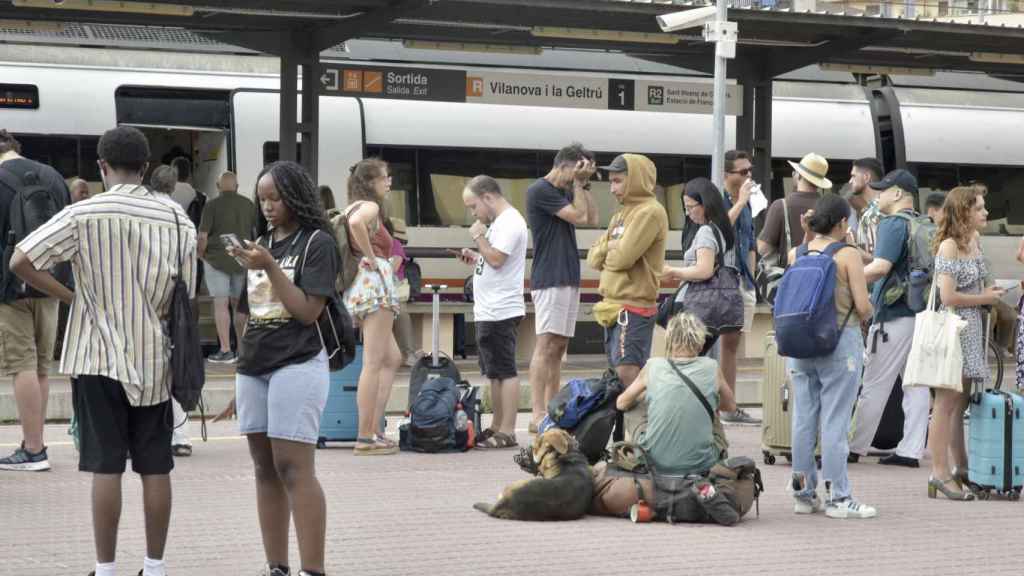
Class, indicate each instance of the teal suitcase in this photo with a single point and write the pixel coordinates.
(996, 442)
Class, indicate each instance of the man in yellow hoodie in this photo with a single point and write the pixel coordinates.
(630, 256)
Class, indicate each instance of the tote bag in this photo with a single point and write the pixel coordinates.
(936, 358)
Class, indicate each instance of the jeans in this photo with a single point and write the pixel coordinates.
(825, 390)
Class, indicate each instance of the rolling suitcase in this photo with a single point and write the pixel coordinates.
(996, 444)
(777, 403)
(340, 419)
(436, 364)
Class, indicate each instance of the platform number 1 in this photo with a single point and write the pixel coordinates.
(621, 94)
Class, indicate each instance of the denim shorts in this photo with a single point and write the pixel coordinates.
(629, 340)
(285, 404)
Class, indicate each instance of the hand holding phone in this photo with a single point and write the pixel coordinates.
(232, 241)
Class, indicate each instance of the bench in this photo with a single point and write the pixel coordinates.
(421, 312)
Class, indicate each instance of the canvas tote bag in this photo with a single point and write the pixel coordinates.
(936, 359)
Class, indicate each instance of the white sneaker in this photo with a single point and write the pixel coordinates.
(849, 508)
(806, 505)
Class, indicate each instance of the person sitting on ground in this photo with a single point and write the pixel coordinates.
(663, 416)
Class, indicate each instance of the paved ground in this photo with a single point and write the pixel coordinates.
(411, 514)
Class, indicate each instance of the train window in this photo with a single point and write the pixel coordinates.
(427, 183)
(1003, 183)
(272, 152)
(69, 155)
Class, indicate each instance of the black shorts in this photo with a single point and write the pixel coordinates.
(110, 428)
(496, 347)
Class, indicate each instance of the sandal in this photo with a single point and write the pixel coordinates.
(497, 441)
(485, 436)
(382, 439)
(372, 447)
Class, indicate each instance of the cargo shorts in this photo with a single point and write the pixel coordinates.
(28, 334)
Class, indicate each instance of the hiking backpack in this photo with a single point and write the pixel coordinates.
(578, 398)
(805, 305)
(595, 428)
(31, 206)
(338, 220)
(432, 427)
(920, 264)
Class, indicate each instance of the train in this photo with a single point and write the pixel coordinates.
(222, 111)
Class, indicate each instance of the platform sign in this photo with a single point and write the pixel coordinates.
(685, 97)
(442, 85)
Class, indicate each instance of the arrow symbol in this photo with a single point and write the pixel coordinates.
(329, 80)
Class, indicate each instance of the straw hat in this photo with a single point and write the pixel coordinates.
(813, 168)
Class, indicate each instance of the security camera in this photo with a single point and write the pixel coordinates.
(687, 19)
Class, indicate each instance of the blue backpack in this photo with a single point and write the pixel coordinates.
(575, 400)
(805, 305)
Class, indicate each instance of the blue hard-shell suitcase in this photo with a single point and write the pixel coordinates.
(996, 441)
(340, 420)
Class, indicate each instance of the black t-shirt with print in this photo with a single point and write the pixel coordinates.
(273, 339)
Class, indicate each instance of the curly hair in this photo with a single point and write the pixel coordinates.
(686, 334)
(957, 221)
(299, 194)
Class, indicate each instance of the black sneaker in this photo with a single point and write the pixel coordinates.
(852, 458)
(24, 461)
(275, 571)
(896, 460)
(222, 357)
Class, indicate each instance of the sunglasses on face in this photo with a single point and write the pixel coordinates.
(744, 172)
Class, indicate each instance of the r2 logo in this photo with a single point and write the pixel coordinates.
(655, 96)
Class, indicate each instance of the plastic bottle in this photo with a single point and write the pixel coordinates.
(461, 419)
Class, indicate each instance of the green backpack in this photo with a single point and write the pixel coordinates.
(920, 264)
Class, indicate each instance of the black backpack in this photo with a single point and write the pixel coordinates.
(31, 206)
(188, 374)
(595, 429)
(414, 276)
(195, 208)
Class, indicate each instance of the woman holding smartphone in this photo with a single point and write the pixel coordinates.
(282, 381)
(372, 299)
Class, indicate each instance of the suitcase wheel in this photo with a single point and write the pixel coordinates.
(321, 443)
(1014, 495)
(983, 495)
(769, 458)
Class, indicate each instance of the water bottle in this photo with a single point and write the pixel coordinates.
(917, 292)
(461, 419)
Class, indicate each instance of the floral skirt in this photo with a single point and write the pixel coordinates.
(373, 290)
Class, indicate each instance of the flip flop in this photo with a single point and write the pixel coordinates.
(484, 436)
(498, 441)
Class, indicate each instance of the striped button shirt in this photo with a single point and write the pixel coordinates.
(123, 248)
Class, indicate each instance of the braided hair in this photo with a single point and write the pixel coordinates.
(686, 334)
(299, 194)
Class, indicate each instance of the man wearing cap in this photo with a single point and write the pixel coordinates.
(630, 256)
(892, 330)
(808, 176)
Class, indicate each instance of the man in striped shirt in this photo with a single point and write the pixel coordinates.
(124, 246)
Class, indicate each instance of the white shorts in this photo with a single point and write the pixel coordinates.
(556, 310)
(221, 284)
(749, 308)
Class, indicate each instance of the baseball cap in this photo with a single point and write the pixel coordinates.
(617, 165)
(905, 180)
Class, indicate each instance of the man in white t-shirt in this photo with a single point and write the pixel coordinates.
(498, 306)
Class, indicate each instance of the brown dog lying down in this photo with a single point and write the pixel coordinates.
(562, 491)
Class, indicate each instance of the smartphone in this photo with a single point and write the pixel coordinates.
(231, 240)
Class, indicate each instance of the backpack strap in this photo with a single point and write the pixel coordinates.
(693, 388)
(784, 261)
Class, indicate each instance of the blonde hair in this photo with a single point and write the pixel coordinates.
(686, 334)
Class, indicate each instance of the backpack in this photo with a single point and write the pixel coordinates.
(920, 264)
(195, 208)
(338, 221)
(31, 206)
(578, 398)
(431, 427)
(595, 429)
(805, 305)
(335, 327)
(414, 275)
(188, 371)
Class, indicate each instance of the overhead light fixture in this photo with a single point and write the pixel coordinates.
(879, 70)
(33, 25)
(470, 47)
(996, 58)
(109, 6)
(604, 35)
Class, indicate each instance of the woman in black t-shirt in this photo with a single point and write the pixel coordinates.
(282, 381)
